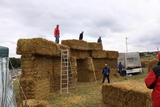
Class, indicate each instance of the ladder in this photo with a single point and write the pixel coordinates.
(64, 78)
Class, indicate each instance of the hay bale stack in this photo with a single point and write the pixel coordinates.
(85, 70)
(112, 54)
(40, 70)
(35, 103)
(29, 89)
(126, 94)
(82, 45)
(99, 65)
(76, 44)
(39, 46)
(80, 54)
(152, 64)
(145, 63)
(95, 46)
(99, 54)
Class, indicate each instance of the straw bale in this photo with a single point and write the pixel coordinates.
(99, 65)
(80, 54)
(28, 85)
(99, 54)
(76, 44)
(85, 70)
(38, 46)
(112, 54)
(145, 63)
(35, 103)
(126, 94)
(152, 64)
(95, 46)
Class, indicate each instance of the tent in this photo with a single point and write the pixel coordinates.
(7, 98)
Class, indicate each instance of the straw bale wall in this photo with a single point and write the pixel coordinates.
(99, 65)
(82, 45)
(152, 64)
(39, 46)
(95, 46)
(85, 70)
(80, 54)
(126, 94)
(145, 63)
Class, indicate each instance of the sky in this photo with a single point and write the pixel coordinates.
(113, 20)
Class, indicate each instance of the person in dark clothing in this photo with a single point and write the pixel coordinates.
(105, 73)
(81, 36)
(99, 40)
(120, 67)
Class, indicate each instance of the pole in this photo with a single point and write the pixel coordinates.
(126, 45)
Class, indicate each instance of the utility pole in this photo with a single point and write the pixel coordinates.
(126, 44)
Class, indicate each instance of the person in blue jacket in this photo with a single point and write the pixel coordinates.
(105, 73)
(120, 67)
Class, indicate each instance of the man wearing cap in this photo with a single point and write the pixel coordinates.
(153, 82)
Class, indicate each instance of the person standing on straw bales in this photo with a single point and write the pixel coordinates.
(57, 34)
(153, 82)
(81, 36)
(105, 73)
(99, 40)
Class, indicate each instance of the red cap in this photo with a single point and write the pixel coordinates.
(158, 55)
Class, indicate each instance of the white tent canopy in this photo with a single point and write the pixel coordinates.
(7, 98)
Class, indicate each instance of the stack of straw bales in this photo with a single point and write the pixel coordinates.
(38, 46)
(126, 94)
(41, 65)
(145, 63)
(81, 49)
(35, 103)
(152, 64)
(86, 70)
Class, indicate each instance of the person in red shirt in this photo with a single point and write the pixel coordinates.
(152, 81)
(57, 34)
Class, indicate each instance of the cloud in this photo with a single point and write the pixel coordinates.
(113, 20)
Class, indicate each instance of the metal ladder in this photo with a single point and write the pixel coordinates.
(64, 78)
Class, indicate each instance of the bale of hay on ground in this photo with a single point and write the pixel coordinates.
(80, 54)
(126, 94)
(99, 54)
(38, 46)
(112, 54)
(152, 64)
(85, 70)
(95, 46)
(76, 44)
(35, 103)
(145, 63)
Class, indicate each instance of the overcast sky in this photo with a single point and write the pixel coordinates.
(139, 20)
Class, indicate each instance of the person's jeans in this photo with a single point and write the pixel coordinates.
(104, 77)
(57, 38)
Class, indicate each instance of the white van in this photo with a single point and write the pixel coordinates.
(131, 62)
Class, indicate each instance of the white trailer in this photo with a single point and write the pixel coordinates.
(131, 62)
